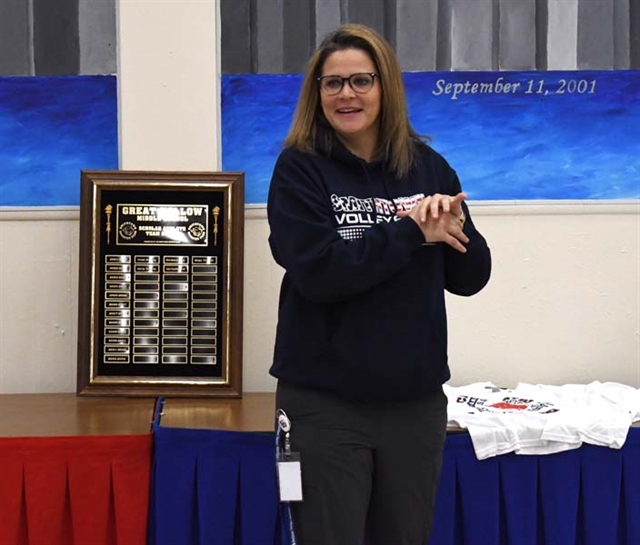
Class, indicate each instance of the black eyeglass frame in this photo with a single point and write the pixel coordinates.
(347, 79)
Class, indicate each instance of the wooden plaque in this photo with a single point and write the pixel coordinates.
(161, 284)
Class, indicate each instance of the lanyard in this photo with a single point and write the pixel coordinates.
(283, 427)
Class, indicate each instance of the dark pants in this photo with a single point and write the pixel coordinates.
(369, 469)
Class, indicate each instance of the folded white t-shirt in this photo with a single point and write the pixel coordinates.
(542, 419)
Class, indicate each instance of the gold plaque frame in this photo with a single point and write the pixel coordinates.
(160, 284)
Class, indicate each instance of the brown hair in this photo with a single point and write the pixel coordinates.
(397, 141)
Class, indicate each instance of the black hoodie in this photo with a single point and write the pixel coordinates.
(362, 308)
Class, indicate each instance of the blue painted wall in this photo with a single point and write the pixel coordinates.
(510, 135)
(50, 129)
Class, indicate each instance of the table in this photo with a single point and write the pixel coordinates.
(213, 482)
(215, 486)
(74, 470)
(82, 470)
(587, 496)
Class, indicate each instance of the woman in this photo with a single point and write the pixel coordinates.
(371, 227)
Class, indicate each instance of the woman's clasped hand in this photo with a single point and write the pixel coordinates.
(441, 219)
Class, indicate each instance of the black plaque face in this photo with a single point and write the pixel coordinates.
(160, 287)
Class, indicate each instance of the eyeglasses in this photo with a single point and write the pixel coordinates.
(361, 83)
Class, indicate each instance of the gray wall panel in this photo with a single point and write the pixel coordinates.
(562, 39)
(517, 35)
(63, 37)
(327, 14)
(367, 12)
(417, 34)
(595, 34)
(390, 22)
(15, 38)
(55, 32)
(634, 34)
(620, 34)
(235, 36)
(97, 35)
(445, 17)
(472, 49)
(542, 31)
(298, 35)
(268, 32)
(495, 35)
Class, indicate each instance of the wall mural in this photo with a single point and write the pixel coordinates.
(555, 135)
(50, 129)
(510, 135)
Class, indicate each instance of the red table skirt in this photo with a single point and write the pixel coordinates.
(75, 490)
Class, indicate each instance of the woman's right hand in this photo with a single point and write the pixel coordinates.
(439, 218)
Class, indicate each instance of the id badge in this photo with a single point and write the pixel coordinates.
(288, 462)
(290, 477)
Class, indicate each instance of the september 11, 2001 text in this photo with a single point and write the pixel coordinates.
(502, 85)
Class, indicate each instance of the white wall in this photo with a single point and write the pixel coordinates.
(563, 304)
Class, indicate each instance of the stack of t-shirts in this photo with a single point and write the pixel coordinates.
(543, 419)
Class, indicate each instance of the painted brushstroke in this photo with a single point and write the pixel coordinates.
(51, 128)
(548, 136)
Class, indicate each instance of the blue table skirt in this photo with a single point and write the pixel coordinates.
(219, 488)
(588, 496)
(214, 487)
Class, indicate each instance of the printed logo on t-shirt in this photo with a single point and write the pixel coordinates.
(507, 404)
(354, 215)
